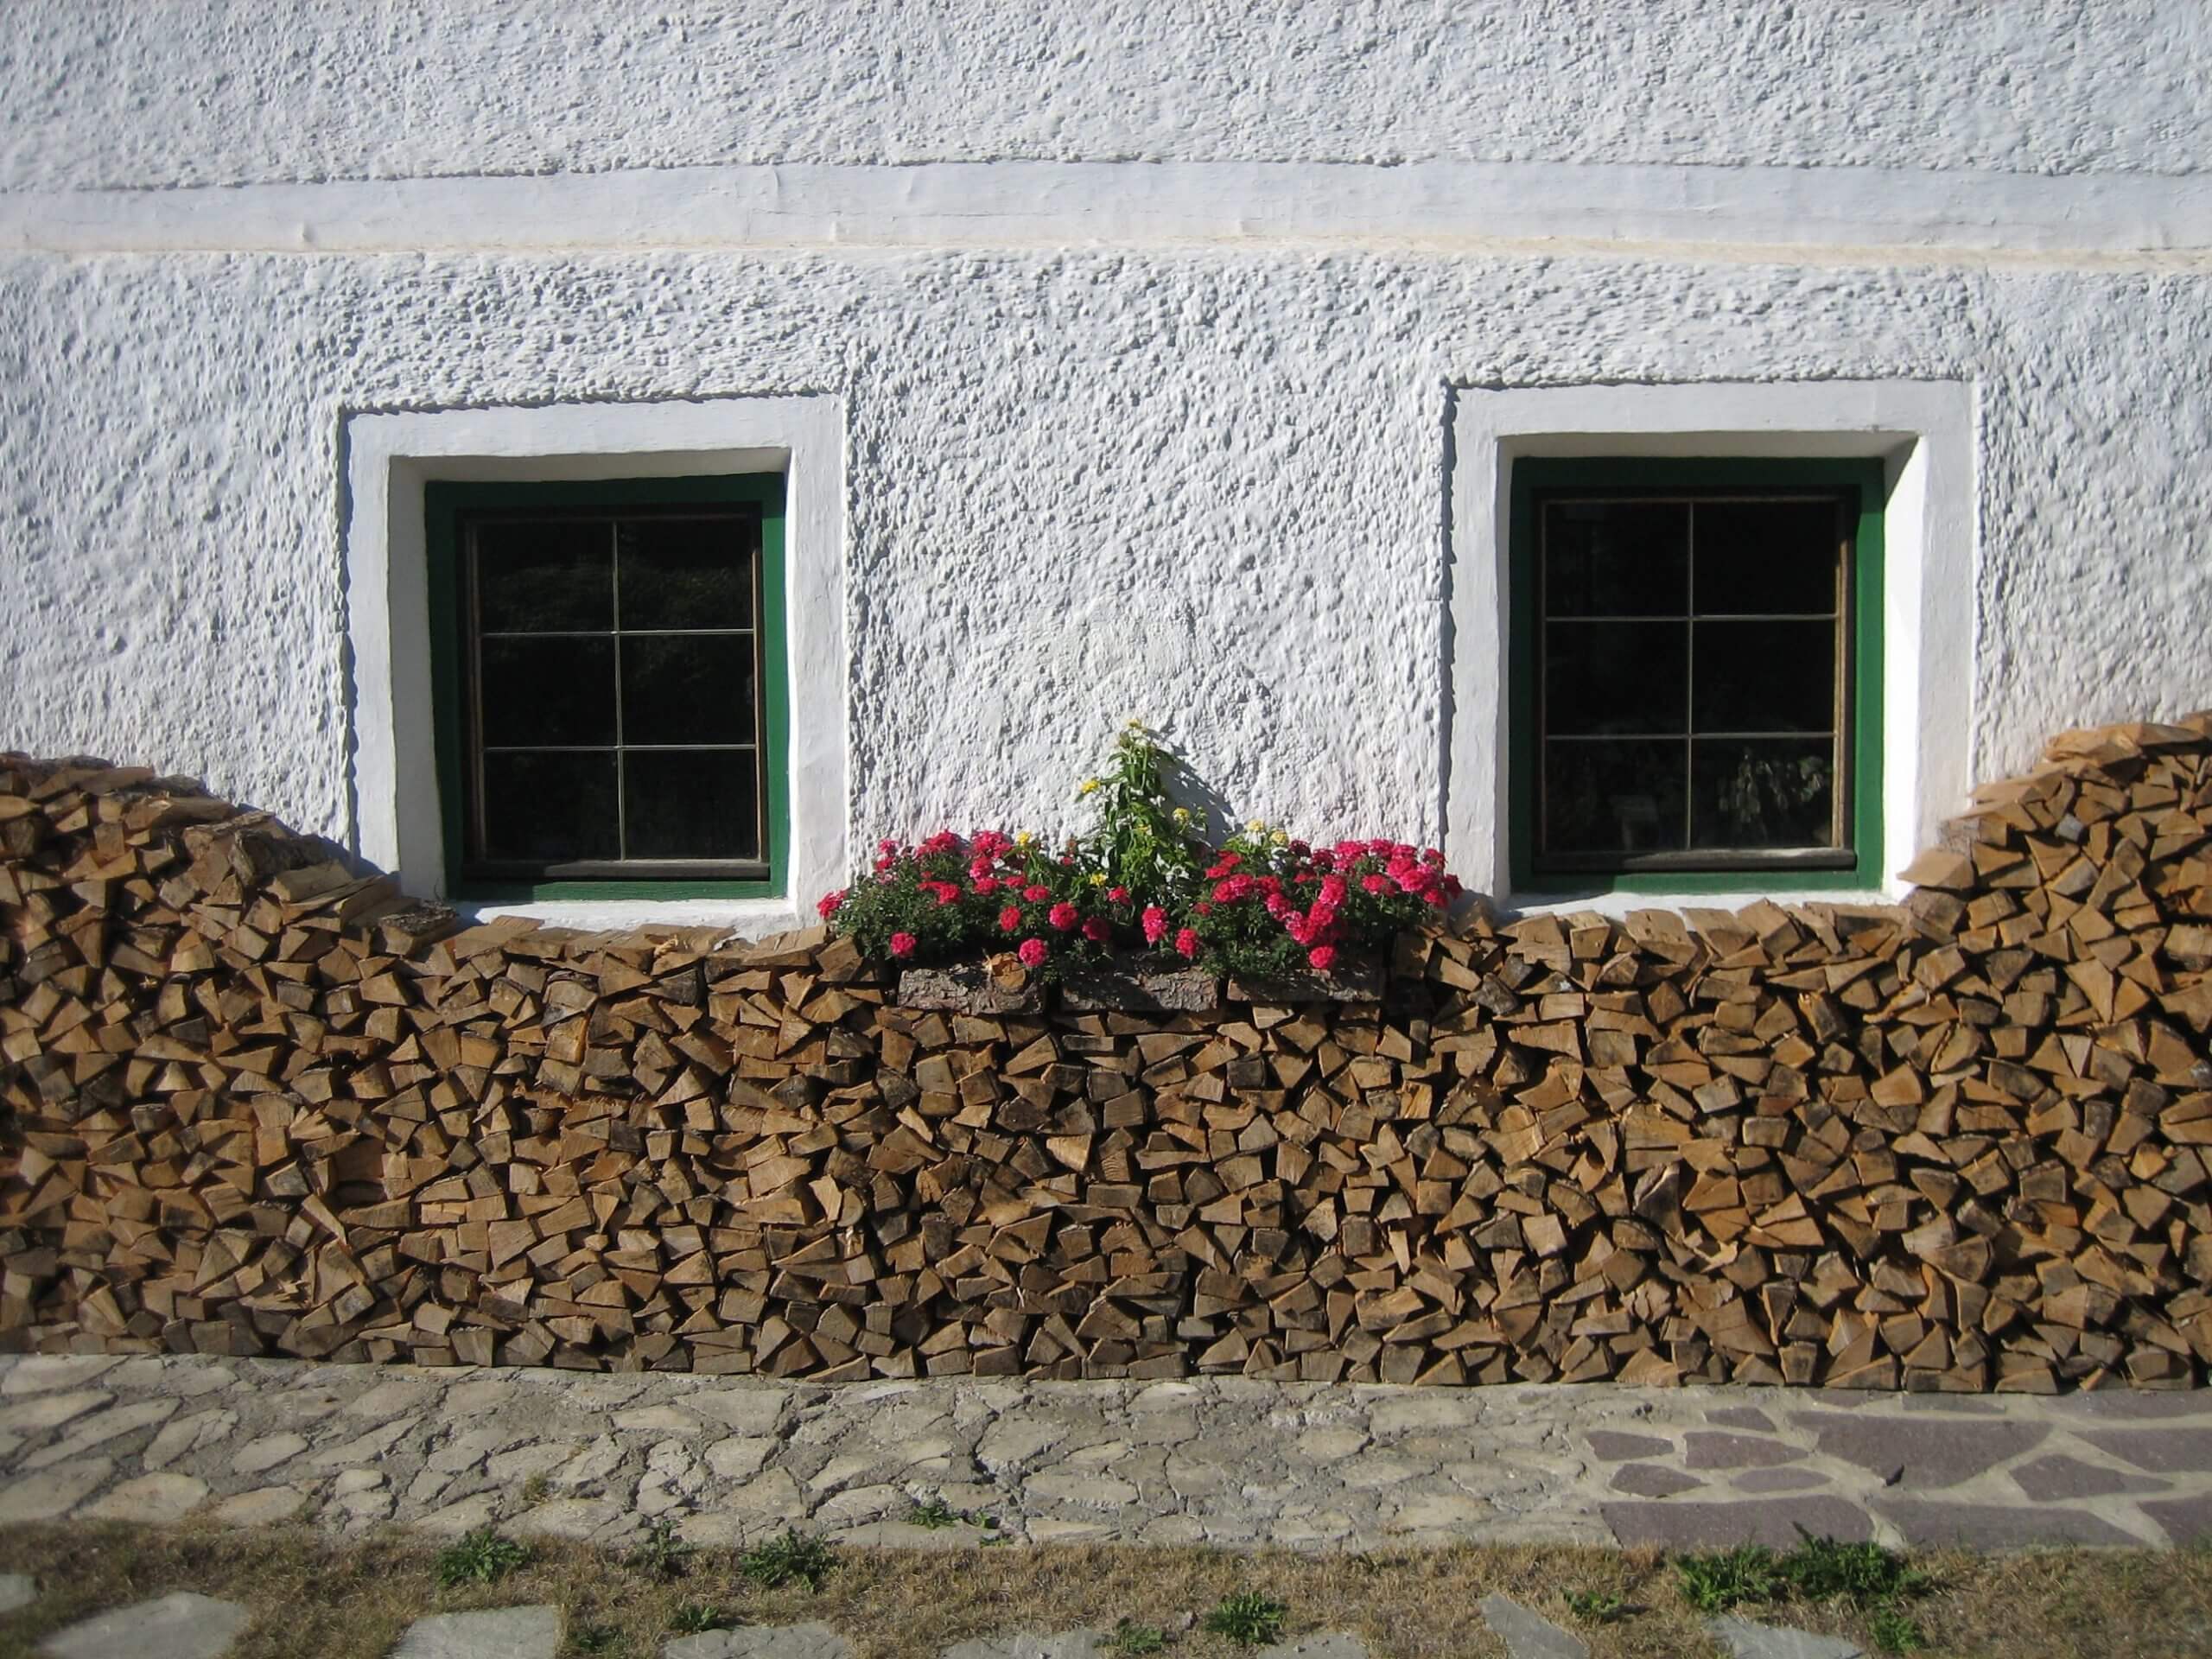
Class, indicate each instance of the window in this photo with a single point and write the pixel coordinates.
(1696, 673)
(608, 676)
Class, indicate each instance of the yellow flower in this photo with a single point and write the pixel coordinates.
(1098, 878)
(1281, 838)
(1135, 722)
(1087, 786)
(1182, 815)
(1258, 826)
(1025, 840)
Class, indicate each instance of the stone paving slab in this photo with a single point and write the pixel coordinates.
(762, 1642)
(182, 1626)
(1745, 1639)
(495, 1633)
(1222, 1461)
(16, 1590)
(1528, 1634)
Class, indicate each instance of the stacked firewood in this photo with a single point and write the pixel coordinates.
(258, 1103)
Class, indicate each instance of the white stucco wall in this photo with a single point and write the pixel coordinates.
(1146, 390)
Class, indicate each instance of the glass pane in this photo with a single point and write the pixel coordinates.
(548, 692)
(537, 575)
(1616, 677)
(1768, 556)
(1765, 676)
(549, 808)
(687, 687)
(1614, 796)
(1763, 792)
(1616, 559)
(696, 805)
(687, 573)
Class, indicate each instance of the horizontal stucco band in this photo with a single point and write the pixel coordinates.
(1910, 214)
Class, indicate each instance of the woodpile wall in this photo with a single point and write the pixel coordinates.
(257, 1104)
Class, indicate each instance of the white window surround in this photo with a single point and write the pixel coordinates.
(389, 459)
(1923, 431)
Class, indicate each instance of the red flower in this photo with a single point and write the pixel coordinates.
(1117, 895)
(1010, 919)
(1323, 957)
(986, 885)
(902, 944)
(1096, 930)
(1036, 895)
(1033, 952)
(1188, 942)
(1202, 908)
(1374, 884)
(1063, 916)
(829, 902)
(1155, 924)
(947, 893)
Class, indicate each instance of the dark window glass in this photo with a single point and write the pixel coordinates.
(1613, 795)
(1617, 559)
(548, 807)
(548, 692)
(614, 691)
(691, 804)
(1605, 678)
(543, 575)
(1693, 678)
(688, 687)
(684, 573)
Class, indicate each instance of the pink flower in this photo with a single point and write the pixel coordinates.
(828, 907)
(944, 842)
(1374, 884)
(1033, 952)
(980, 868)
(1117, 895)
(1063, 916)
(986, 885)
(1323, 957)
(1155, 924)
(902, 944)
(1188, 942)
(1096, 930)
(1010, 919)
(947, 893)
(1202, 908)
(1036, 895)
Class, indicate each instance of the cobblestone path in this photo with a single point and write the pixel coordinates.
(1222, 1461)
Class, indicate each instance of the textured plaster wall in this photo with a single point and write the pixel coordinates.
(170, 92)
(1207, 488)
(1207, 485)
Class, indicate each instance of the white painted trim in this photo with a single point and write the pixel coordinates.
(1910, 214)
(1923, 430)
(389, 457)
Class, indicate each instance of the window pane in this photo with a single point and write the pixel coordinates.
(1768, 556)
(537, 575)
(548, 692)
(1614, 797)
(1766, 792)
(549, 808)
(1765, 676)
(1616, 677)
(1616, 559)
(697, 804)
(687, 573)
(687, 687)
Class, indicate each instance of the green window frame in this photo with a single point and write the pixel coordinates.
(1857, 864)
(447, 505)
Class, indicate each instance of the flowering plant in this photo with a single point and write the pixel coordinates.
(1259, 904)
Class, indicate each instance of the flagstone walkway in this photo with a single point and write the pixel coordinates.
(1221, 1461)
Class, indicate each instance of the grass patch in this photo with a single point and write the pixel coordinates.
(1131, 1637)
(660, 1553)
(791, 1557)
(694, 1617)
(1247, 1618)
(1866, 1579)
(309, 1592)
(484, 1556)
(1597, 1606)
